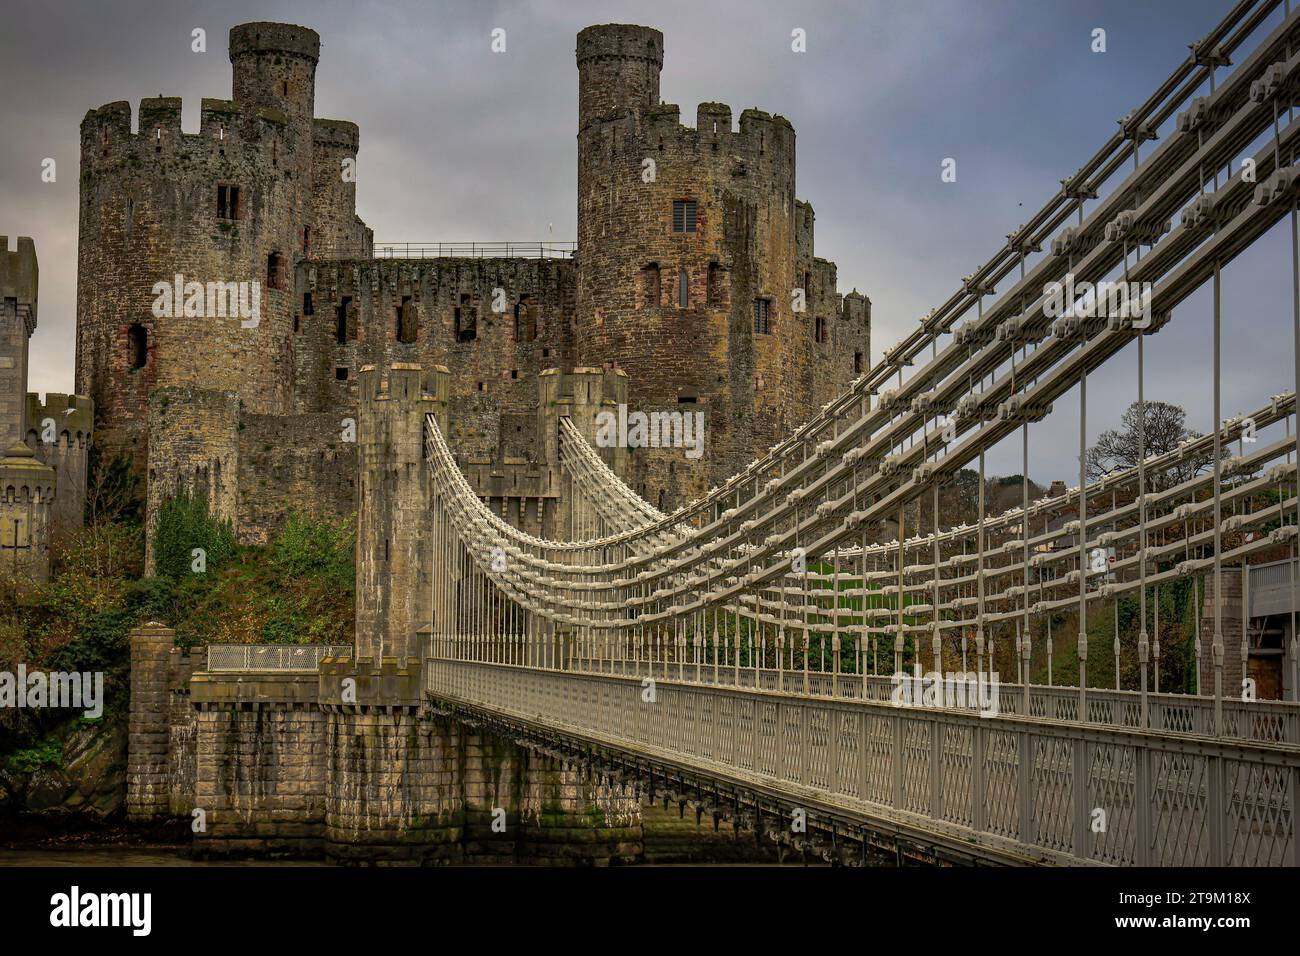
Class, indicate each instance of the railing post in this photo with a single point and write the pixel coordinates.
(936, 768)
(1143, 799)
(1079, 788)
(898, 761)
(1217, 803)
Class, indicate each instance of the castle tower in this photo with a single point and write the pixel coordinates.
(229, 210)
(26, 505)
(19, 276)
(618, 71)
(684, 235)
(59, 432)
(394, 521)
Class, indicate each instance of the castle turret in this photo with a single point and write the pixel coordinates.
(26, 505)
(618, 70)
(275, 68)
(18, 295)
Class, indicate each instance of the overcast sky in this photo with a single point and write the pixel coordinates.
(459, 143)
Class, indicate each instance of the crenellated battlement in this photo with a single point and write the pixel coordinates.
(340, 134)
(73, 415)
(265, 36)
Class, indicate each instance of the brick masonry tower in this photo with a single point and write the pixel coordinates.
(239, 202)
(690, 246)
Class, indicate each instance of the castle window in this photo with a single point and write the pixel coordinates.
(137, 346)
(650, 285)
(688, 396)
(526, 319)
(714, 290)
(857, 363)
(683, 290)
(130, 216)
(275, 271)
(762, 316)
(514, 374)
(341, 374)
(284, 87)
(408, 323)
(345, 329)
(819, 330)
(297, 324)
(227, 202)
(307, 307)
(466, 319)
(306, 240)
(683, 215)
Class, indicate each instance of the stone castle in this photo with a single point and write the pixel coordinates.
(693, 283)
(45, 444)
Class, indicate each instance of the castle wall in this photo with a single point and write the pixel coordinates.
(305, 463)
(279, 764)
(194, 441)
(493, 371)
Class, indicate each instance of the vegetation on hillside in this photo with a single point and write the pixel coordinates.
(298, 588)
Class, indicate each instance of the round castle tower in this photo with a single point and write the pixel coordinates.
(230, 208)
(680, 231)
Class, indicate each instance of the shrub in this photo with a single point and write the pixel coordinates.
(184, 524)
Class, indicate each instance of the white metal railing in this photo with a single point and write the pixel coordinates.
(272, 657)
(475, 250)
(1027, 786)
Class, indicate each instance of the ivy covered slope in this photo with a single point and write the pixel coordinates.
(298, 588)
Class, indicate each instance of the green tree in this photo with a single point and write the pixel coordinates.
(184, 523)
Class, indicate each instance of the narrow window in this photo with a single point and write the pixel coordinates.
(223, 202)
(297, 323)
(341, 373)
(466, 319)
(514, 374)
(683, 290)
(714, 289)
(683, 215)
(650, 286)
(137, 346)
(306, 240)
(526, 319)
(762, 312)
(408, 323)
(857, 363)
(274, 270)
(307, 307)
(342, 326)
(130, 216)
(819, 330)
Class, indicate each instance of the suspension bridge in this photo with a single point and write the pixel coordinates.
(744, 655)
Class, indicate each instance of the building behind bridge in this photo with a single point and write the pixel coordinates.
(692, 259)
